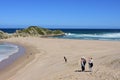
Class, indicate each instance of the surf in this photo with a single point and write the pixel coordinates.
(93, 36)
(6, 50)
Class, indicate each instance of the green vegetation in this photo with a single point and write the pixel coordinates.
(57, 32)
(38, 31)
(3, 35)
(32, 31)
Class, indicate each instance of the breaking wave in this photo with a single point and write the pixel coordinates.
(6, 50)
(100, 36)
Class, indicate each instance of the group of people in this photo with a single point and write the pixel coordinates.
(83, 63)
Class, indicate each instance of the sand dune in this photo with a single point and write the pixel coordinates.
(47, 62)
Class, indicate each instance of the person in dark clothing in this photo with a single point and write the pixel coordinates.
(83, 62)
(65, 59)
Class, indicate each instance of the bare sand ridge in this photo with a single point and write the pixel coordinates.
(47, 60)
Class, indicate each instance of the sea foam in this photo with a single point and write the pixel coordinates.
(6, 50)
(100, 36)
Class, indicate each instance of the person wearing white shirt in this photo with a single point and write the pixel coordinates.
(90, 63)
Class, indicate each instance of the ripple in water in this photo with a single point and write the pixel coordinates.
(6, 50)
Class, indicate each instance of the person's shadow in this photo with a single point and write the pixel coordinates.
(81, 71)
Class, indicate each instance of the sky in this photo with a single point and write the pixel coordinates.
(60, 13)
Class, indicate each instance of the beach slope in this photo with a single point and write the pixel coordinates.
(48, 62)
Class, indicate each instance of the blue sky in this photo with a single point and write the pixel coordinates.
(60, 13)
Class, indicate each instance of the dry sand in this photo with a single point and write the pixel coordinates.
(47, 60)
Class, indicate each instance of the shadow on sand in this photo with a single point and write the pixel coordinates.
(81, 71)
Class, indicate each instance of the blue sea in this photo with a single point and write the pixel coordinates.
(10, 30)
(84, 34)
(92, 34)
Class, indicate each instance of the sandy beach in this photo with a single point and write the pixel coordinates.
(44, 60)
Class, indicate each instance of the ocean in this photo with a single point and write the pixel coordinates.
(91, 34)
(10, 30)
(84, 34)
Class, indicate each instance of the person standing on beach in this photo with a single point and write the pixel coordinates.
(90, 63)
(83, 62)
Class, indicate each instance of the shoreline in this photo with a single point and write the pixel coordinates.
(19, 62)
(13, 57)
(80, 39)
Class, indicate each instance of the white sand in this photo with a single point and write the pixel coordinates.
(49, 64)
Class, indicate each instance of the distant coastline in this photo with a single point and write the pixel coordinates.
(12, 30)
(36, 31)
(82, 34)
